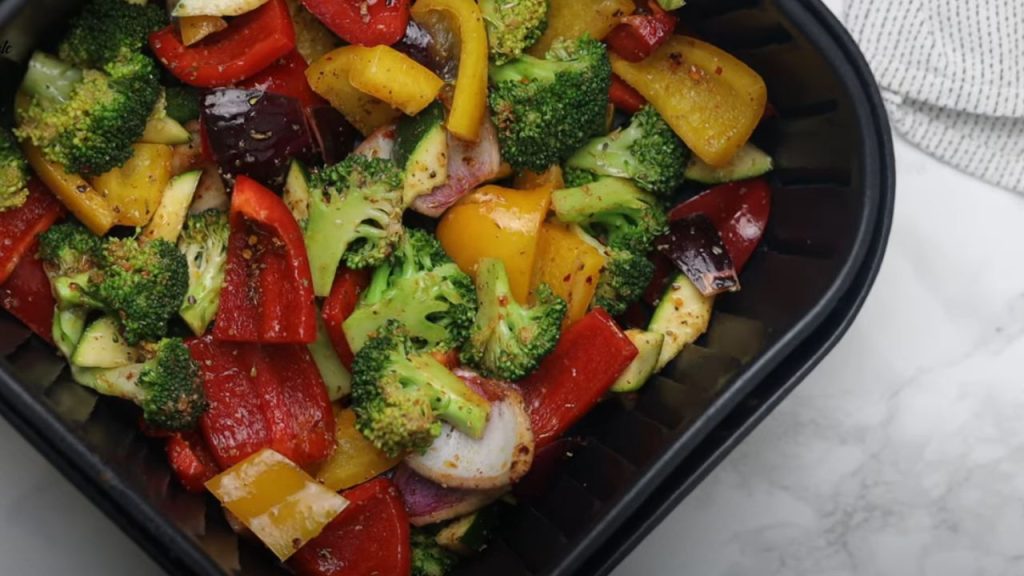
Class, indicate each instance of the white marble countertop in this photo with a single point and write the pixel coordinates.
(901, 454)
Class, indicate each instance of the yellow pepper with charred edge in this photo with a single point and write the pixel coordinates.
(329, 77)
(571, 19)
(282, 505)
(470, 100)
(133, 190)
(570, 265)
(496, 222)
(709, 98)
(84, 201)
(393, 77)
(355, 459)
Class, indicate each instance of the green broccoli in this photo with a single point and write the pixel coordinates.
(401, 396)
(647, 152)
(421, 288)
(87, 119)
(575, 177)
(613, 210)
(182, 103)
(355, 214)
(513, 26)
(167, 386)
(428, 557)
(142, 285)
(204, 242)
(13, 172)
(623, 280)
(109, 30)
(545, 109)
(509, 340)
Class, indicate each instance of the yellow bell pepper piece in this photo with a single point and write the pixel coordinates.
(570, 265)
(496, 222)
(393, 77)
(709, 98)
(354, 460)
(574, 18)
(282, 505)
(195, 28)
(85, 202)
(329, 77)
(470, 100)
(133, 190)
(552, 177)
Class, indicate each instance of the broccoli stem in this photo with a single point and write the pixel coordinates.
(50, 79)
(454, 401)
(69, 292)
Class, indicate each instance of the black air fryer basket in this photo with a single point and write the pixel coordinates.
(636, 456)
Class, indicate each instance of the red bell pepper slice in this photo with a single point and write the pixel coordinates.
(362, 21)
(251, 42)
(339, 305)
(26, 295)
(20, 226)
(739, 210)
(588, 359)
(624, 96)
(233, 425)
(370, 536)
(287, 77)
(639, 35)
(192, 462)
(268, 292)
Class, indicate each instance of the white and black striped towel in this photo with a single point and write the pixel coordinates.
(952, 75)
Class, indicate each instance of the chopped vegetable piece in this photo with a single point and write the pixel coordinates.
(624, 96)
(428, 557)
(26, 295)
(371, 536)
(496, 222)
(642, 367)
(469, 102)
(739, 211)
(335, 136)
(88, 205)
(470, 164)
(394, 78)
(336, 376)
(20, 226)
(365, 23)
(355, 459)
(109, 30)
(329, 77)
(572, 19)
(586, 363)
(749, 162)
(170, 214)
(195, 28)
(695, 247)
(570, 265)
(274, 498)
(712, 100)
(204, 243)
(268, 294)
(287, 77)
(682, 316)
(430, 503)
(215, 7)
(14, 173)
(191, 460)
(514, 26)
(639, 35)
(251, 42)
(134, 189)
(401, 396)
(339, 305)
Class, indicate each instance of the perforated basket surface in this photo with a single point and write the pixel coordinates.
(831, 208)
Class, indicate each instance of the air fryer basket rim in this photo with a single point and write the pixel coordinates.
(177, 553)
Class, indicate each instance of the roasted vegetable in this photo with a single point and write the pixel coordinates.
(204, 242)
(513, 26)
(13, 172)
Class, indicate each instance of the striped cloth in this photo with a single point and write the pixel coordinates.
(952, 75)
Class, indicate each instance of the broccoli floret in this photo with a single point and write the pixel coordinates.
(182, 103)
(545, 109)
(623, 280)
(13, 172)
(141, 285)
(167, 386)
(355, 214)
(87, 119)
(428, 557)
(401, 396)
(614, 210)
(108, 30)
(576, 177)
(509, 340)
(421, 288)
(513, 26)
(647, 152)
(204, 242)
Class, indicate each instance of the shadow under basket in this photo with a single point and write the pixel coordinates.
(635, 456)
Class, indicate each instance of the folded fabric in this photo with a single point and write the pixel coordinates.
(952, 74)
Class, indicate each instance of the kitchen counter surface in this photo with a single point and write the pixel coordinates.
(901, 454)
